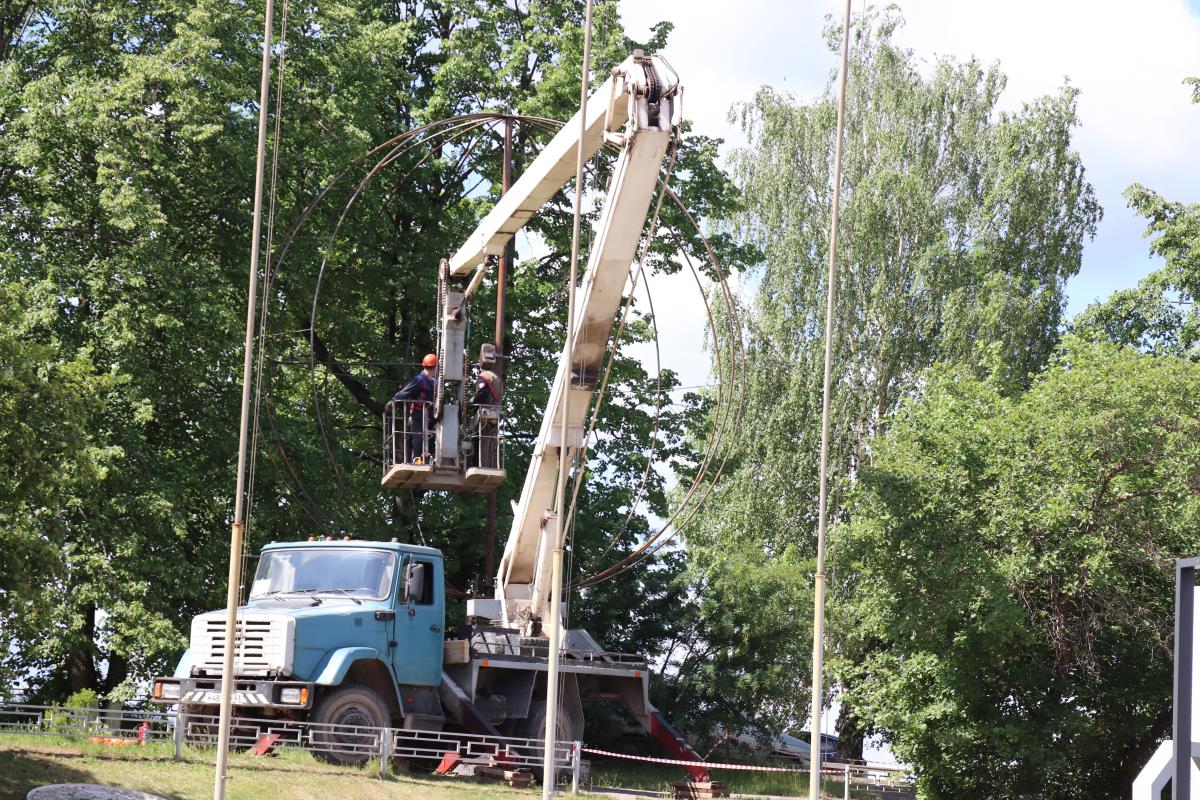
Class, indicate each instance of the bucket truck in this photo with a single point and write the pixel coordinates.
(351, 631)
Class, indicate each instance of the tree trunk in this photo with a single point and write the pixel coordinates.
(81, 661)
(357, 390)
(851, 735)
(118, 671)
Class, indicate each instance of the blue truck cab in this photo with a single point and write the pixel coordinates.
(344, 632)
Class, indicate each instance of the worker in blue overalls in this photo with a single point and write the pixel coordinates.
(419, 393)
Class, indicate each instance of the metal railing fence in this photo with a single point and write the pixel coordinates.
(407, 433)
(346, 744)
(357, 745)
(30, 719)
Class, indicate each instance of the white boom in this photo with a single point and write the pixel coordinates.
(636, 109)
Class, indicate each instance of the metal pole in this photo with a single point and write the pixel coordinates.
(502, 264)
(846, 787)
(385, 750)
(576, 765)
(548, 771)
(814, 789)
(1182, 735)
(238, 527)
(180, 731)
(549, 763)
(498, 340)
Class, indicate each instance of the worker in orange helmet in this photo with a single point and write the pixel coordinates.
(419, 394)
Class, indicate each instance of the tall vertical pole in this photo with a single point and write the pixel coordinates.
(814, 762)
(232, 597)
(498, 339)
(1182, 733)
(560, 506)
(503, 264)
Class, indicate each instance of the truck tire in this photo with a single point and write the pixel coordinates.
(354, 710)
(534, 727)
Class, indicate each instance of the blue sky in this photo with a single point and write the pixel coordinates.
(1137, 122)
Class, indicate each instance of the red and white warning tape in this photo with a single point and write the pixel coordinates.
(707, 764)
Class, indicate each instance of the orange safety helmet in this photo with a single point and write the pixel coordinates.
(429, 361)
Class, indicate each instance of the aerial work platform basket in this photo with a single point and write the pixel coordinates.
(413, 459)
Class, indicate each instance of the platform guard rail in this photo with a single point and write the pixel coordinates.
(486, 443)
(407, 433)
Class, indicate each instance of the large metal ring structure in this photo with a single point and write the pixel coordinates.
(723, 324)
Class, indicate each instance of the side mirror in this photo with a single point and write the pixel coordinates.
(414, 582)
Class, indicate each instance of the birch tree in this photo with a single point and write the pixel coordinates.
(961, 224)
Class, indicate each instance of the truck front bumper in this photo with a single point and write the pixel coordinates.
(247, 692)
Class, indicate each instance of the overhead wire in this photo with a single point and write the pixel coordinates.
(687, 508)
(724, 422)
(265, 302)
(391, 149)
(312, 509)
(683, 521)
(613, 350)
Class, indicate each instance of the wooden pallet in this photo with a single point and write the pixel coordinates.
(688, 788)
(516, 778)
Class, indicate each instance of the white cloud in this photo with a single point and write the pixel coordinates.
(1137, 123)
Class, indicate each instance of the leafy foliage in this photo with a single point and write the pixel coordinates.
(1006, 605)
(1158, 315)
(127, 141)
(960, 227)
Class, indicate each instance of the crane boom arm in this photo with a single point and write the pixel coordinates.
(548, 173)
(636, 101)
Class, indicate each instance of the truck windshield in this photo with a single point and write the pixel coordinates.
(340, 572)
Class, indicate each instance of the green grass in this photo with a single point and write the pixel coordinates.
(28, 762)
(620, 774)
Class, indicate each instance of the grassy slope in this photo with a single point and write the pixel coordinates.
(26, 763)
(656, 777)
(619, 774)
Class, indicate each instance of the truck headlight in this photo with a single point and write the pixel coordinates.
(166, 691)
(296, 695)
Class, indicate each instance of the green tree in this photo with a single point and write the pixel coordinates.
(1159, 315)
(960, 227)
(127, 137)
(47, 398)
(1007, 621)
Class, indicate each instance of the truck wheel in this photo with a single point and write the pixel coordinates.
(345, 720)
(534, 727)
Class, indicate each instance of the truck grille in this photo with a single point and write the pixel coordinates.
(264, 644)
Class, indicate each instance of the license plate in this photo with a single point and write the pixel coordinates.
(240, 698)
